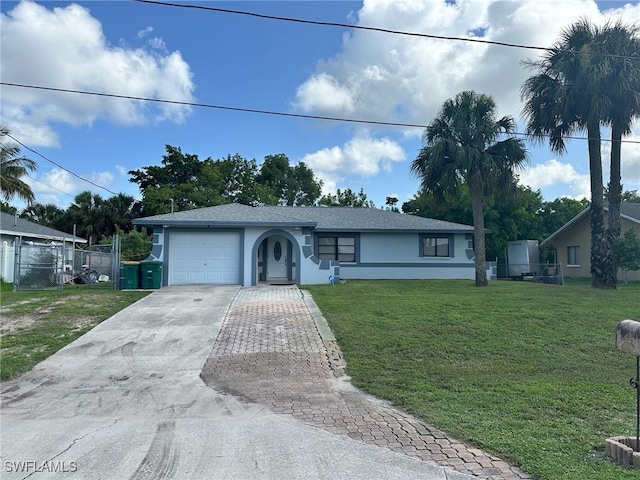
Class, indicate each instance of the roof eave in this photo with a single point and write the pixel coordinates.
(551, 237)
(218, 224)
(66, 238)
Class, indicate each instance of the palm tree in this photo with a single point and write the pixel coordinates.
(119, 211)
(590, 77)
(87, 212)
(48, 215)
(462, 148)
(619, 46)
(565, 97)
(12, 168)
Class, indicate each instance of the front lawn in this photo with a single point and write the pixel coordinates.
(528, 372)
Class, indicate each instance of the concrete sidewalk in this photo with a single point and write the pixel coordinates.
(126, 400)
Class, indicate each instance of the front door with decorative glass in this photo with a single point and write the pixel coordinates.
(277, 258)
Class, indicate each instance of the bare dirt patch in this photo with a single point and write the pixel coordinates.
(14, 324)
(10, 322)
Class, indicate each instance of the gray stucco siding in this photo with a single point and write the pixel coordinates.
(406, 248)
(409, 271)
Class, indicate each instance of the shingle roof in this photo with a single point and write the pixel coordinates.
(10, 225)
(320, 218)
(630, 210)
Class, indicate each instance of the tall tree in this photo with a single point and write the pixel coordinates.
(558, 212)
(13, 168)
(286, 184)
(120, 210)
(462, 147)
(309, 188)
(87, 212)
(619, 47)
(346, 198)
(588, 78)
(628, 247)
(391, 203)
(49, 215)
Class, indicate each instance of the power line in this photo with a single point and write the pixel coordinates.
(219, 107)
(343, 25)
(58, 165)
(263, 112)
(47, 185)
(368, 28)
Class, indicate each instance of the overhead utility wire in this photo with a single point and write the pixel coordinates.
(47, 185)
(219, 107)
(263, 112)
(343, 25)
(58, 165)
(364, 27)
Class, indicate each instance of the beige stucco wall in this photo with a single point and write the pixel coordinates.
(579, 234)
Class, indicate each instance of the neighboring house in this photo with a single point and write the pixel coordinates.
(15, 231)
(240, 244)
(572, 242)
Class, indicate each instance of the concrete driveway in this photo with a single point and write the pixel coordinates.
(126, 401)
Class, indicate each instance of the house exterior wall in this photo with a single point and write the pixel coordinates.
(378, 255)
(399, 256)
(579, 235)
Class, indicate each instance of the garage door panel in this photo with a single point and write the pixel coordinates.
(204, 258)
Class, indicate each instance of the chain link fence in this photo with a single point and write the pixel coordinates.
(43, 267)
(552, 273)
(39, 267)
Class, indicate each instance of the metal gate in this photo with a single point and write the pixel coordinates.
(39, 267)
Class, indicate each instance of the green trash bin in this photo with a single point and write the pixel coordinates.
(131, 274)
(150, 274)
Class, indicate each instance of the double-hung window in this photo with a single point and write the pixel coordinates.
(334, 247)
(434, 246)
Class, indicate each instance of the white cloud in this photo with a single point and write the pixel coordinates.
(389, 77)
(144, 32)
(361, 156)
(56, 182)
(157, 43)
(67, 49)
(553, 173)
(322, 93)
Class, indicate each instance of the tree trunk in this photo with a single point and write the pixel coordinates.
(615, 195)
(598, 241)
(478, 234)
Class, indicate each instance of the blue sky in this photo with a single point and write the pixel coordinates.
(152, 51)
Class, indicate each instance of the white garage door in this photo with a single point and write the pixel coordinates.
(204, 258)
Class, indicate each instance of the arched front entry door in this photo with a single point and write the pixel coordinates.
(275, 257)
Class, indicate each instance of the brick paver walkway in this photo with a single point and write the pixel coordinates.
(269, 351)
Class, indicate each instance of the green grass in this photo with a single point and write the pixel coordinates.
(528, 372)
(37, 324)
